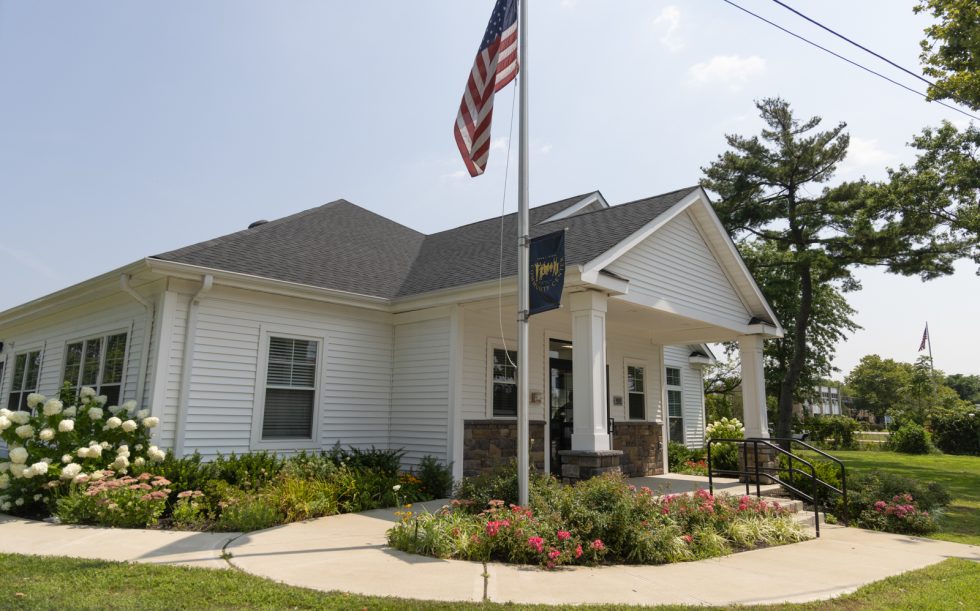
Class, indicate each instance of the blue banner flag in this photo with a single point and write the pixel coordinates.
(546, 276)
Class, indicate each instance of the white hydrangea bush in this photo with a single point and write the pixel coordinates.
(726, 428)
(55, 446)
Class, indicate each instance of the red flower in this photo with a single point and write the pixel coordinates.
(536, 543)
(578, 551)
(598, 545)
(563, 534)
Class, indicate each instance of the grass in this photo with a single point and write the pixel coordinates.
(34, 582)
(961, 474)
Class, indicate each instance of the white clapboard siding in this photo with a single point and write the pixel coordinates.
(420, 390)
(355, 368)
(693, 394)
(676, 266)
(114, 314)
(623, 349)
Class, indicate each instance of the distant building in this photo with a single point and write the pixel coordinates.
(827, 402)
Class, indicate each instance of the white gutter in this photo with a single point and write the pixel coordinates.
(190, 333)
(147, 329)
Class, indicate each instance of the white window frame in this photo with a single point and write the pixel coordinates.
(675, 387)
(258, 408)
(12, 365)
(104, 336)
(642, 364)
(491, 346)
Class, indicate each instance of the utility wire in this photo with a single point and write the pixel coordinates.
(852, 62)
(863, 48)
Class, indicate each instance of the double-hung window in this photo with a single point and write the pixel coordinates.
(504, 373)
(27, 370)
(290, 389)
(636, 392)
(98, 363)
(675, 405)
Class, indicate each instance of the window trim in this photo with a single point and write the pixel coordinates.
(496, 344)
(680, 389)
(257, 442)
(642, 364)
(39, 349)
(104, 337)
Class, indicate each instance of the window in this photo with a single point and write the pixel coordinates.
(636, 393)
(504, 383)
(290, 390)
(97, 363)
(675, 405)
(27, 370)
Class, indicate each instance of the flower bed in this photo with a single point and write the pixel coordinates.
(92, 464)
(602, 520)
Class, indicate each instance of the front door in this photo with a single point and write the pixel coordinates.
(560, 407)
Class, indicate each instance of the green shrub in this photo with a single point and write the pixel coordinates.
(599, 519)
(436, 478)
(126, 502)
(885, 501)
(911, 438)
(247, 513)
(957, 432)
(382, 461)
(677, 455)
(310, 466)
(251, 471)
(837, 431)
(298, 498)
(724, 456)
(499, 484)
(826, 471)
(190, 511)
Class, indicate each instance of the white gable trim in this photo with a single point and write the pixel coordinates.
(641, 234)
(576, 208)
(729, 258)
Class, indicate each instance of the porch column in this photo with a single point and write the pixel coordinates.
(753, 386)
(589, 371)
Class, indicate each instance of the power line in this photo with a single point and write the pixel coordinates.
(852, 62)
(863, 48)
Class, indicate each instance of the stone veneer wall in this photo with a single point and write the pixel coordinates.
(488, 444)
(640, 443)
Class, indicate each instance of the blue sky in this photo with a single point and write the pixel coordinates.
(128, 129)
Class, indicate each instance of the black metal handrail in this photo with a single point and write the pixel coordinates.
(816, 482)
(843, 471)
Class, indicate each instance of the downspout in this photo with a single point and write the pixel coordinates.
(147, 330)
(190, 331)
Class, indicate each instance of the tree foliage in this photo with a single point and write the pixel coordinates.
(804, 239)
(951, 51)
(966, 386)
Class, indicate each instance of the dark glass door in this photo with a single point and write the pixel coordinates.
(560, 410)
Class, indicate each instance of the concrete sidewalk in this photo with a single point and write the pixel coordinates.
(19, 536)
(348, 553)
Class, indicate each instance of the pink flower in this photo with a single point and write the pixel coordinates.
(598, 545)
(563, 534)
(578, 551)
(536, 543)
(688, 539)
(880, 506)
(554, 554)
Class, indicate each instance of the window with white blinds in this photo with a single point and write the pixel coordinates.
(675, 405)
(290, 390)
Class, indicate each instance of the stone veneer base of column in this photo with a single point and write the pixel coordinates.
(577, 465)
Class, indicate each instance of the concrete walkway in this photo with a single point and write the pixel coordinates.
(348, 553)
(19, 536)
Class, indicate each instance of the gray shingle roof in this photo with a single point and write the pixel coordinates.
(344, 247)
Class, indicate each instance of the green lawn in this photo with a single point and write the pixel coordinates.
(961, 474)
(34, 582)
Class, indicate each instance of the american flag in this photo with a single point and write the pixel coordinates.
(494, 67)
(925, 338)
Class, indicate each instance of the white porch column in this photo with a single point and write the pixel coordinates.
(589, 371)
(753, 386)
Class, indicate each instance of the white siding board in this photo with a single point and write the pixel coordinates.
(420, 390)
(675, 265)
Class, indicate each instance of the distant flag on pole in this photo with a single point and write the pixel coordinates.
(925, 338)
(494, 67)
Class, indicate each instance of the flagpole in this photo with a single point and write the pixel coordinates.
(932, 366)
(522, 265)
